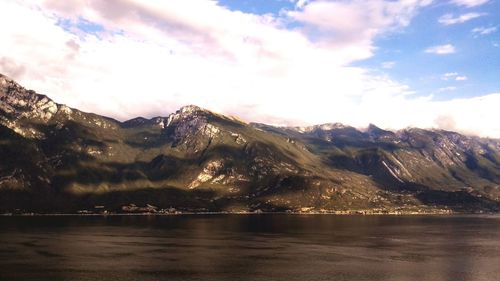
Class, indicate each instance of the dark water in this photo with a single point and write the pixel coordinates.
(256, 247)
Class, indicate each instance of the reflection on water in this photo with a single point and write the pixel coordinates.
(253, 247)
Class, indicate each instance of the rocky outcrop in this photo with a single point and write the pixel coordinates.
(17, 102)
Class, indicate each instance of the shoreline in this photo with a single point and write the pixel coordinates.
(354, 213)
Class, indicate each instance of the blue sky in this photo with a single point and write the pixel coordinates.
(394, 63)
(476, 57)
(400, 54)
(259, 6)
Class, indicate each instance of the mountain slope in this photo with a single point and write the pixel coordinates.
(59, 159)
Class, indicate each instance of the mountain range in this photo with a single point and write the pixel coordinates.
(57, 159)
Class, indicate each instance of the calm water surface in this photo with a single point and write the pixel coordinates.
(250, 247)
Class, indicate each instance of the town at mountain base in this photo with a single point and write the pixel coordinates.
(57, 159)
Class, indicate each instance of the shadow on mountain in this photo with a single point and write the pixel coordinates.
(369, 163)
(148, 139)
(113, 201)
(342, 142)
(456, 200)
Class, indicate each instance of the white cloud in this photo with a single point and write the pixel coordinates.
(453, 75)
(469, 3)
(388, 64)
(152, 58)
(449, 74)
(449, 19)
(441, 49)
(484, 30)
(479, 121)
(446, 89)
(351, 26)
(301, 3)
(424, 3)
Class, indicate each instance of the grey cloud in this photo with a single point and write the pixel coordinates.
(446, 122)
(74, 49)
(73, 45)
(11, 68)
(121, 15)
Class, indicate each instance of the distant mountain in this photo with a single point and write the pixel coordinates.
(59, 159)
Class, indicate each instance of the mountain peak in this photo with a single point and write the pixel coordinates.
(18, 102)
(320, 127)
(187, 112)
(372, 129)
(330, 126)
(6, 82)
(5, 77)
(188, 109)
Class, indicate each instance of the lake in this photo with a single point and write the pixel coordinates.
(250, 247)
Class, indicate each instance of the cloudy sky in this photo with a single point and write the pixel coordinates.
(432, 64)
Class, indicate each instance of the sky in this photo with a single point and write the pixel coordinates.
(395, 64)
